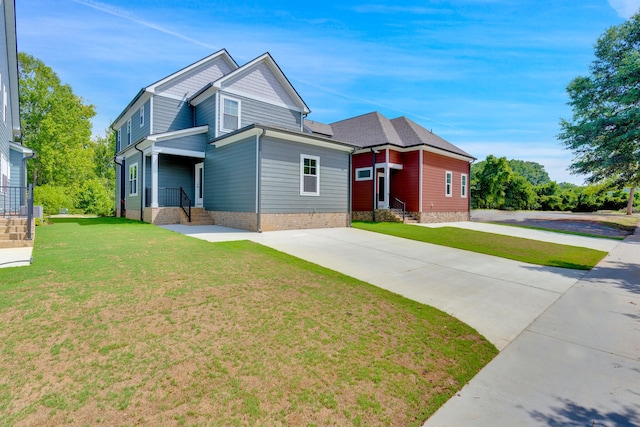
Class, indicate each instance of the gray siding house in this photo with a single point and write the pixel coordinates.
(227, 144)
(13, 173)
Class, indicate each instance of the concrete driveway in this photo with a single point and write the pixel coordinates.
(569, 340)
(497, 297)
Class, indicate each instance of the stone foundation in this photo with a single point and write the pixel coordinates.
(382, 215)
(133, 214)
(291, 221)
(162, 216)
(242, 220)
(432, 217)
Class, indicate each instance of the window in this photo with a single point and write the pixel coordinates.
(463, 185)
(133, 179)
(4, 174)
(129, 132)
(364, 174)
(230, 114)
(309, 175)
(142, 116)
(118, 139)
(448, 184)
(4, 104)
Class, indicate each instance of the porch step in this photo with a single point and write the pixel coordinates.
(13, 233)
(198, 217)
(408, 218)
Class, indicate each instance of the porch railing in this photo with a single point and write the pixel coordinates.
(17, 202)
(399, 207)
(171, 197)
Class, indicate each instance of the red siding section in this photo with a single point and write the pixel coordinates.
(361, 191)
(434, 198)
(405, 183)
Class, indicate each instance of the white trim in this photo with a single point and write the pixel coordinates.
(421, 167)
(464, 183)
(198, 202)
(132, 109)
(224, 98)
(131, 166)
(151, 115)
(18, 147)
(197, 100)
(154, 180)
(304, 157)
(178, 133)
(448, 185)
(421, 148)
(262, 99)
(178, 152)
(302, 139)
(369, 178)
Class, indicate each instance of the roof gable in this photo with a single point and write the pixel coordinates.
(367, 130)
(414, 134)
(192, 78)
(262, 79)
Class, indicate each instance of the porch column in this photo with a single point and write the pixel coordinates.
(387, 181)
(154, 180)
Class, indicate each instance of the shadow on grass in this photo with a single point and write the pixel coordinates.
(106, 220)
(571, 414)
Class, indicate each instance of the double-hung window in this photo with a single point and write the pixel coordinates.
(133, 179)
(142, 116)
(448, 189)
(129, 132)
(463, 185)
(309, 175)
(230, 114)
(119, 140)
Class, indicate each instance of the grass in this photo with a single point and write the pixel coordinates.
(525, 250)
(555, 230)
(122, 323)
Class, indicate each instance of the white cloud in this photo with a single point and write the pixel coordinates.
(625, 8)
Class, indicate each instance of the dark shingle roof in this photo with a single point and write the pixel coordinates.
(374, 129)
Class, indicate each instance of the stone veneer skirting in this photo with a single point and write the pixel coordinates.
(382, 215)
(242, 220)
(431, 217)
(295, 221)
(162, 216)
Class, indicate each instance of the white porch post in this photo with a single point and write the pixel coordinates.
(387, 181)
(154, 180)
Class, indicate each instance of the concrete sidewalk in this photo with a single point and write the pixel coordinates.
(578, 364)
(15, 257)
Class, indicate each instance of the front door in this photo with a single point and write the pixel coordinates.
(382, 191)
(199, 185)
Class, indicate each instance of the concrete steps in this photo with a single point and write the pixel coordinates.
(13, 233)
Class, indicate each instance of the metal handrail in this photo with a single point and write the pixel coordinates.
(398, 204)
(185, 201)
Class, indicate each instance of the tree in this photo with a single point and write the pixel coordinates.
(531, 171)
(603, 133)
(56, 124)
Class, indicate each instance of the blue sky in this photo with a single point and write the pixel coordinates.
(487, 75)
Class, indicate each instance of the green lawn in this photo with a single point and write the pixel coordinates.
(123, 323)
(525, 250)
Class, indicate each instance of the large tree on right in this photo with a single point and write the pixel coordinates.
(604, 132)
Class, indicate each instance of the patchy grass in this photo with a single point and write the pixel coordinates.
(557, 230)
(123, 323)
(525, 250)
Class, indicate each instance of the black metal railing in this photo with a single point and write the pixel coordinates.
(399, 207)
(18, 202)
(170, 197)
(185, 203)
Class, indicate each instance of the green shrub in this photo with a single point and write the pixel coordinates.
(53, 198)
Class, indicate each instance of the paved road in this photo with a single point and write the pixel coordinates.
(569, 341)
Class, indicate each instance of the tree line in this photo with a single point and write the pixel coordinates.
(498, 183)
(71, 170)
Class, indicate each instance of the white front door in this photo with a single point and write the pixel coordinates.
(199, 185)
(382, 191)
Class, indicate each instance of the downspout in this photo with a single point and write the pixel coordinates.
(259, 180)
(468, 190)
(143, 193)
(373, 181)
(121, 201)
(350, 190)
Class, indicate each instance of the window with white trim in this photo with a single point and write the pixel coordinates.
(133, 179)
(119, 139)
(463, 185)
(142, 116)
(364, 174)
(448, 190)
(309, 175)
(230, 114)
(129, 132)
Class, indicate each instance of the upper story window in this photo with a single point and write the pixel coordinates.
(133, 179)
(129, 132)
(463, 185)
(142, 116)
(118, 139)
(364, 174)
(448, 191)
(230, 114)
(309, 175)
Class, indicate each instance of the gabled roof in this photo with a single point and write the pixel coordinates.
(266, 59)
(146, 92)
(374, 129)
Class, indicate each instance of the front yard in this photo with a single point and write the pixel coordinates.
(119, 322)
